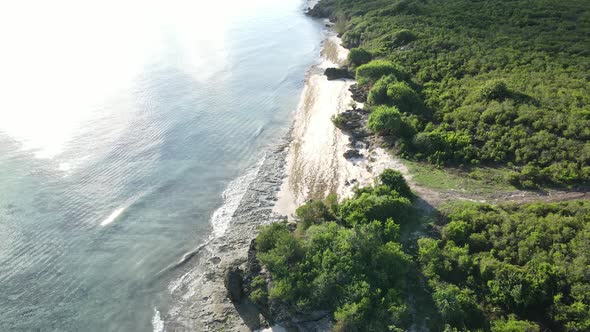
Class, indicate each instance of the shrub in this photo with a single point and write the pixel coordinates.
(368, 207)
(456, 231)
(398, 38)
(405, 98)
(358, 56)
(403, 37)
(378, 93)
(514, 325)
(528, 177)
(371, 72)
(313, 212)
(396, 181)
(338, 120)
(458, 307)
(385, 120)
(523, 260)
(259, 293)
(444, 146)
(494, 90)
(268, 237)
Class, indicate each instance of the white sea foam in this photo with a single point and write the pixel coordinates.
(113, 216)
(157, 322)
(232, 196)
(275, 328)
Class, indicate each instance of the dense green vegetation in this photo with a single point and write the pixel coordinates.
(529, 264)
(507, 268)
(487, 87)
(344, 257)
(495, 82)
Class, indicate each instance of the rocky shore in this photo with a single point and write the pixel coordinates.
(316, 158)
(202, 302)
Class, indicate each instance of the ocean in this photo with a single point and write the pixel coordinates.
(128, 131)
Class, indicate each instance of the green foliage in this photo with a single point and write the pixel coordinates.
(368, 206)
(268, 237)
(378, 92)
(511, 76)
(359, 56)
(441, 146)
(385, 120)
(528, 177)
(458, 307)
(259, 293)
(494, 90)
(313, 212)
(514, 325)
(338, 120)
(528, 262)
(350, 262)
(371, 72)
(395, 180)
(405, 98)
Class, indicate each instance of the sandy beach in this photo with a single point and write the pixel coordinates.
(308, 164)
(315, 164)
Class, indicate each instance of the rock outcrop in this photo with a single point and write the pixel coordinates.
(234, 282)
(337, 73)
(359, 93)
(352, 153)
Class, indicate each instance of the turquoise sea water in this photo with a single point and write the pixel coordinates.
(121, 124)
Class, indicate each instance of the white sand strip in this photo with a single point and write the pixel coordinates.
(315, 165)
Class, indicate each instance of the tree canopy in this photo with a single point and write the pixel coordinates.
(530, 264)
(511, 76)
(345, 257)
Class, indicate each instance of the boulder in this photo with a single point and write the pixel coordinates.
(359, 93)
(234, 283)
(336, 73)
(253, 266)
(352, 154)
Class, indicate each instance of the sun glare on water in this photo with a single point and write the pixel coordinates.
(64, 62)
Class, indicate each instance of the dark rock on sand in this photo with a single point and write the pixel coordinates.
(359, 93)
(253, 266)
(337, 73)
(234, 280)
(352, 154)
(353, 122)
(318, 11)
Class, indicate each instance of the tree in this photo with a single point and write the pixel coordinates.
(371, 72)
(494, 90)
(405, 98)
(385, 120)
(514, 325)
(359, 56)
(396, 181)
(378, 93)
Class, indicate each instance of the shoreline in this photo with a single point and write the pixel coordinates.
(200, 301)
(316, 166)
(307, 163)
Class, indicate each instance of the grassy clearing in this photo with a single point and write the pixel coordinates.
(476, 180)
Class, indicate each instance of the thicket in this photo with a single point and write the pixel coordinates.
(343, 257)
(491, 82)
(506, 268)
(511, 268)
